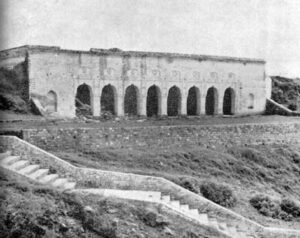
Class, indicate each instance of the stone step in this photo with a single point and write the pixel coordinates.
(175, 204)
(9, 160)
(166, 198)
(38, 174)
(194, 212)
(59, 183)
(203, 218)
(49, 178)
(69, 185)
(184, 207)
(20, 164)
(5, 154)
(213, 222)
(29, 169)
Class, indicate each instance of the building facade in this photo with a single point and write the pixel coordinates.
(141, 83)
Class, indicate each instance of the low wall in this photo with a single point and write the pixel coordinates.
(127, 181)
(93, 139)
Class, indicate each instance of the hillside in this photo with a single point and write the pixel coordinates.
(271, 170)
(286, 91)
(32, 210)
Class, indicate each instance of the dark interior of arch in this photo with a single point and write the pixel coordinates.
(83, 100)
(173, 101)
(192, 102)
(210, 102)
(227, 102)
(130, 101)
(107, 100)
(152, 101)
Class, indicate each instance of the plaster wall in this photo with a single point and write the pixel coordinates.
(63, 71)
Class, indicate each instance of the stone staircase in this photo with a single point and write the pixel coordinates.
(224, 228)
(38, 171)
(34, 172)
(42, 175)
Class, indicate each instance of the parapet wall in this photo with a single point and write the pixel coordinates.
(93, 139)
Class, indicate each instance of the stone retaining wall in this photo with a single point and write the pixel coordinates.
(93, 139)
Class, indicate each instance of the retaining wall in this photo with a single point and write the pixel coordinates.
(93, 139)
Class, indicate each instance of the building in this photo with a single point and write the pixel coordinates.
(142, 83)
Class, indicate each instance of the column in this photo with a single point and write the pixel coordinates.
(142, 103)
(96, 106)
(183, 102)
(220, 102)
(202, 103)
(119, 106)
(163, 104)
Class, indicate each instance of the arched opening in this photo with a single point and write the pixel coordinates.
(211, 101)
(131, 100)
(174, 102)
(193, 102)
(51, 102)
(108, 100)
(229, 102)
(153, 101)
(83, 100)
(251, 101)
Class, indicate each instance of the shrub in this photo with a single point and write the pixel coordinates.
(189, 184)
(292, 107)
(219, 194)
(270, 208)
(290, 207)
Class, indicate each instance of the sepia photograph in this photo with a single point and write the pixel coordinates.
(149, 119)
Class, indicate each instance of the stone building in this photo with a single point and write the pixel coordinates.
(141, 83)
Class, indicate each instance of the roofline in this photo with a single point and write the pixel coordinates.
(138, 54)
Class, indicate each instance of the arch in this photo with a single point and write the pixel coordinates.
(174, 101)
(211, 101)
(229, 102)
(51, 101)
(83, 100)
(108, 100)
(251, 101)
(153, 101)
(193, 101)
(131, 100)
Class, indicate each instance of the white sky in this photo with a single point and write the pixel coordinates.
(267, 29)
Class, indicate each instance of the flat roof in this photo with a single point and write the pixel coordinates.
(119, 52)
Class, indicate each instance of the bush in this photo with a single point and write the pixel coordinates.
(189, 184)
(290, 207)
(292, 107)
(270, 208)
(219, 194)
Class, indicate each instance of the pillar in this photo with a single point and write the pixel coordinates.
(119, 106)
(163, 104)
(220, 102)
(142, 103)
(202, 103)
(96, 106)
(183, 107)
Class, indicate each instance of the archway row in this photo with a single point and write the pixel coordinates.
(108, 101)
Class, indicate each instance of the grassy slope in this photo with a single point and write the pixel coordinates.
(286, 91)
(32, 210)
(272, 170)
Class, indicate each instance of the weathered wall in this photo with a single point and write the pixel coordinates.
(92, 139)
(63, 71)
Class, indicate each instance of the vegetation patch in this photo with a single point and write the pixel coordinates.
(285, 209)
(219, 194)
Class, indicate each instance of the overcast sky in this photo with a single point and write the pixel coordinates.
(268, 29)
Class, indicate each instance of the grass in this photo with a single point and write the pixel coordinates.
(271, 170)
